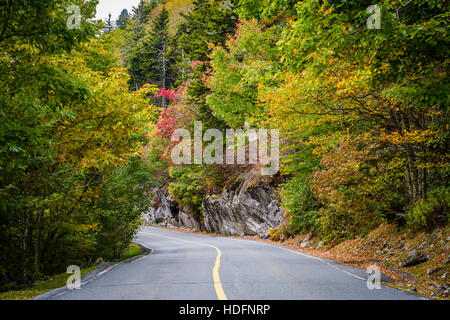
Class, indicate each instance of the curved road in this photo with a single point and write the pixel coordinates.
(187, 266)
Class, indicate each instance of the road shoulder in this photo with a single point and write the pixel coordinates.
(100, 270)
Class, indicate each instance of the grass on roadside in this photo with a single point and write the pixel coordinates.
(40, 287)
(132, 250)
(59, 280)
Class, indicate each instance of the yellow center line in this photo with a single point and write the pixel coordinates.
(216, 277)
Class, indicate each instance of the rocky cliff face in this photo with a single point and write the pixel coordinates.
(166, 212)
(248, 210)
(244, 212)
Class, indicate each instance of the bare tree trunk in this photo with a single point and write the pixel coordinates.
(25, 249)
(27, 244)
(37, 245)
(163, 84)
(416, 178)
(183, 70)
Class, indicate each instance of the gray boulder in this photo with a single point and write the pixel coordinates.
(415, 257)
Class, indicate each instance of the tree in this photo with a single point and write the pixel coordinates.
(109, 25)
(123, 19)
(267, 10)
(341, 81)
(248, 60)
(141, 18)
(153, 60)
(32, 95)
(165, 58)
(391, 79)
(209, 22)
(70, 134)
(44, 24)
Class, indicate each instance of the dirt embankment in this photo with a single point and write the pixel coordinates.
(417, 262)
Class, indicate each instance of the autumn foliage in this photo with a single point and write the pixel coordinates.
(362, 112)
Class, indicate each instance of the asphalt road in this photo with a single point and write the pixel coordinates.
(187, 266)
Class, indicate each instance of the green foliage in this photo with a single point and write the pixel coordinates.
(189, 188)
(41, 286)
(299, 201)
(69, 129)
(122, 201)
(123, 19)
(141, 18)
(132, 251)
(43, 25)
(156, 162)
(265, 9)
(197, 96)
(247, 62)
(363, 116)
(100, 55)
(207, 22)
(153, 61)
(429, 212)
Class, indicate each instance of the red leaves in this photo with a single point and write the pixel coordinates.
(204, 78)
(168, 93)
(166, 124)
(196, 63)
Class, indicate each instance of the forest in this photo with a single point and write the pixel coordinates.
(359, 96)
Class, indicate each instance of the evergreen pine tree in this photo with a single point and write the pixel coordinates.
(153, 60)
(165, 60)
(210, 21)
(141, 17)
(109, 25)
(122, 21)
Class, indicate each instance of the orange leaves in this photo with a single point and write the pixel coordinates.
(409, 137)
(351, 192)
(325, 11)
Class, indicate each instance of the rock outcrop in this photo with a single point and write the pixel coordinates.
(413, 258)
(245, 212)
(250, 209)
(166, 212)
